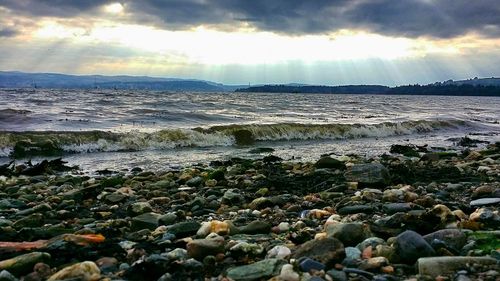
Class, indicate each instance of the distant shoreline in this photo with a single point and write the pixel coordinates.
(426, 90)
(22, 80)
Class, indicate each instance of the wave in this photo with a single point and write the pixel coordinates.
(102, 141)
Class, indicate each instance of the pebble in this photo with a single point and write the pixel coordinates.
(256, 271)
(484, 202)
(436, 266)
(326, 251)
(288, 274)
(85, 271)
(279, 252)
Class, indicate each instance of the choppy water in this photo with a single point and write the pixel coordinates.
(155, 130)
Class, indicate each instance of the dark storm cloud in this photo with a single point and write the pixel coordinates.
(412, 18)
(56, 8)
(8, 32)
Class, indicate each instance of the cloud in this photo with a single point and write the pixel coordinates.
(409, 18)
(54, 8)
(8, 32)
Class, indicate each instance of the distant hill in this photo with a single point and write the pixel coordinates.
(475, 81)
(470, 87)
(14, 79)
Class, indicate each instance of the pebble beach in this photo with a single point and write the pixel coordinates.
(413, 213)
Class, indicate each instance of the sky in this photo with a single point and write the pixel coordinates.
(330, 42)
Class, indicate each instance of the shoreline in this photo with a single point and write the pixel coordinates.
(340, 218)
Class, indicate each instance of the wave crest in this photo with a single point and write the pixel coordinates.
(101, 141)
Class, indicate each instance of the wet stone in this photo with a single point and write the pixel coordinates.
(349, 233)
(256, 227)
(200, 248)
(337, 275)
(85, 271)
(327, 250)
(410, 246)
(392, 208)
(484, 202)
(145, 221)
(454, 238)
(32, 220)
(115, 197)
(307, 265)
(139, 208)
(370, 174)
(23, 264)
(356, 209)
(256, 271)
(184, 229)
(329, 163)
(436, 266)
(7, 276)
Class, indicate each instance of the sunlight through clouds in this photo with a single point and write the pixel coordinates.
(207, 46)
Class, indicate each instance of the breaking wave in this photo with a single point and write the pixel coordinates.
(102, 141)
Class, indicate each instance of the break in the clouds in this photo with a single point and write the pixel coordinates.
(409, 18)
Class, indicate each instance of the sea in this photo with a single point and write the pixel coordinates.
(124, 129)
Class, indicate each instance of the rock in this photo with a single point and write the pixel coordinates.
(115, 197)
(145, 221)
(487, 216)
(373, 263)
(279, 252)
(260, 203)
(139, 208)
(283, 227)
(372, 241)
(247, 249)
(410, 246)
(352, 253)
(308, 265)
(256, 227)
(406, 150)
(4, 222)
(200, 248)
(33, 220)
(392, 208)
(27, 148)
(436, 266)
(484, 191)
(217, 175)
(328, 251)
(23, 264)
(219, 227)
(484, 202)
(243, 137)
(350, 234)
(232, 196)
(454, 238)
(196, 181)
(287, 273)
(167, 219)
(107, 264)
(337, 275)
(7, 276)
(328, 162)
(85, 271)
(184, 229)
(355, 209)
(369, 174)
(260, 270)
